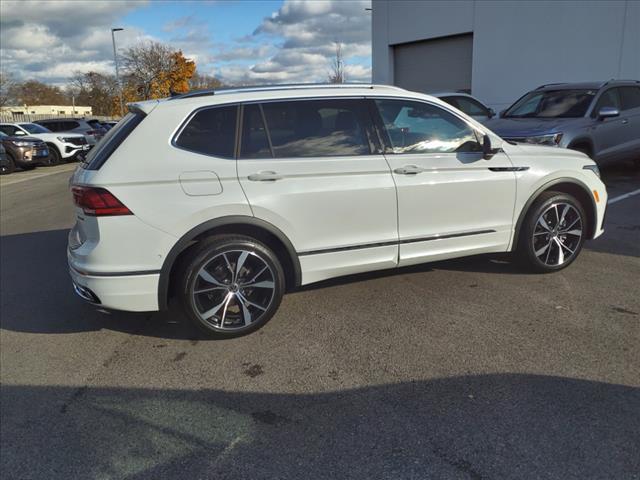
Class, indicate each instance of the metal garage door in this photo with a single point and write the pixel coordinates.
(441, 64)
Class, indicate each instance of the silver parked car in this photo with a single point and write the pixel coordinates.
(74, 125)
(600, 119)
(467, 104)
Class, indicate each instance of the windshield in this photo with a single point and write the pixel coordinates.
(2, 134)
(33, 128)
(552, 104)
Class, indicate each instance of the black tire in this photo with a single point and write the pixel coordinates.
(533, 236)
(54, 156)
(8, 167)
(257, 305)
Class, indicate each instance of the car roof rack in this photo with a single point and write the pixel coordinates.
(621, 80)
(283, 86)
(550, 85)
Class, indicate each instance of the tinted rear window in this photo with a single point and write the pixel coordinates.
(318, 128)
(111, 141)
(211, 131)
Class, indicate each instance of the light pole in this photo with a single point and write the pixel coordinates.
(115, 59)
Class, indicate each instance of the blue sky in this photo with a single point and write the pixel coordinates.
(241, 41)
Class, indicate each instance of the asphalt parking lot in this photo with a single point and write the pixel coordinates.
(458, 369)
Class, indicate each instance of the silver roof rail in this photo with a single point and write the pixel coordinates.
(289, 86)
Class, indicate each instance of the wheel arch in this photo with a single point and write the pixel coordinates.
(568, 185)
(259, 229)
(588, 142)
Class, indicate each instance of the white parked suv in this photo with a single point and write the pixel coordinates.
(62, 146)
(225, 200)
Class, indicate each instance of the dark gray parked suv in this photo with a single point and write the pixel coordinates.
(600, 119)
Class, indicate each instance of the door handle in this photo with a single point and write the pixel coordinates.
(625, 121)
(408, 170)
(267, 176)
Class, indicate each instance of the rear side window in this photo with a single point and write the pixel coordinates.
(471, 107)
(318, 128)
(111, 141)
(69, 125)
(211, 131)
(630, 97)
(53, 126)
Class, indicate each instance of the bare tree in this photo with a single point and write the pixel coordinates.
(202, 81)
(337, 74)
(145, 65)
(6, 82)
(98, 90)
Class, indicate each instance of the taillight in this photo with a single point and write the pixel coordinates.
(98, 202)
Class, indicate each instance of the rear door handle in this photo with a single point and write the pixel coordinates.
(267, 176)
(409, 170)
(625, 121)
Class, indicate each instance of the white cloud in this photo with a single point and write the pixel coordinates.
(306, 33)
(49, 41)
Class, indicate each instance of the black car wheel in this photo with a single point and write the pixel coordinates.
(7, 167)
(552, 233)
(54, 156)
(230, 285)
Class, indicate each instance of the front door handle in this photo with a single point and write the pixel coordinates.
(409, 170)
(625, 121)
(267, 176)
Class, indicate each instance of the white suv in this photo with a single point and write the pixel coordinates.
(225, 200)
(62, 146)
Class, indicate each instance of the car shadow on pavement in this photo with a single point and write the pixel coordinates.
(36, 295)
(476, 427)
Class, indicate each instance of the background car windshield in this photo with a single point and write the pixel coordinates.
(552, 104)
(33, 128)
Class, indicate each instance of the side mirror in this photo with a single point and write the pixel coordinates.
(492, 113)
(19, 133)
(487, 151)
(501, 113)
(608, 112)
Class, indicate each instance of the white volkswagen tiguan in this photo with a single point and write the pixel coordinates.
(225, 200)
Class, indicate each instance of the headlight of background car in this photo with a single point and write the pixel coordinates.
(21, 143)
(64, 139)
(593, 168)
(552, 140)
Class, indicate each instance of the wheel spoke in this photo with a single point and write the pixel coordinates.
(245, 300)
(555, 209)
(577, 233)
(262, 284)
(564, 213)
(543, 249)
(226, 260)
(211, 312)
(239, 264)
(210, 289)
(568, 227)
(246, 314)
(565, 246)
(560, 252)
(544, 224)
(255, 277)
(224, 311)
(207, 277)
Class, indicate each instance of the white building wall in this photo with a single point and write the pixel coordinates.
(518, 45)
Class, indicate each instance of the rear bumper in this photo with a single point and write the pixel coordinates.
(130, 292)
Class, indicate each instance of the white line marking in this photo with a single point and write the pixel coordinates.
(622, 197)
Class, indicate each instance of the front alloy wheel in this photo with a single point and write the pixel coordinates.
(233, 285)
(552, 233)
(557, 234)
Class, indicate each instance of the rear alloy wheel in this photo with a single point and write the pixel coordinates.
(232, 285)
(553, 232)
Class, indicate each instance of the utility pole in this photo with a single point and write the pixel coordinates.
(115, 59)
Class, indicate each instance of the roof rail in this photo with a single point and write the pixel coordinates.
(283, 86)
(619, 80)
(550, 84)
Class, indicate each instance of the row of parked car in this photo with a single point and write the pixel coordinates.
(600, 119)
(27, 145)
